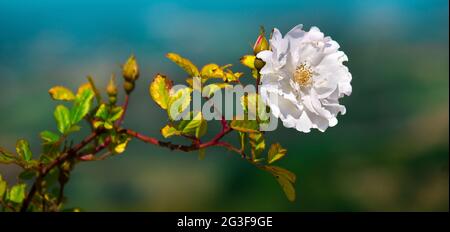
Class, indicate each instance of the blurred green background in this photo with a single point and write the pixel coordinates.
(388, 153)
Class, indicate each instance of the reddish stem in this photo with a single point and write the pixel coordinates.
(125, 107)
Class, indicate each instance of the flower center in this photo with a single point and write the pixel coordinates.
(302, 75)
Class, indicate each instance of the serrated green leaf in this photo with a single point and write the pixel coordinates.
(184, 63)
(49, 137)
(160, 90)
(82, 105)
(17, 193)
(62, 116)
(61, 93)
(23, 150)
(276, 152)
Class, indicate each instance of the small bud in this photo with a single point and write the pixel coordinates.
(111, 89)
(130, 70)
(128, 86)
(261, 43)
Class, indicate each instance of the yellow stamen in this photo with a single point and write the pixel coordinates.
(302, 75)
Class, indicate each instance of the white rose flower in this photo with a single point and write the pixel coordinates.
(303, 79)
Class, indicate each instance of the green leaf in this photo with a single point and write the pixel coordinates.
(201, 130)
(254, 106)
(288, 188)
(245, 125)
(276, 152)
(278, 171)
(160, 90)
(116, 113)
(249, 61)
(49, 137)
(169, 131)
(61, 93)
(3, 186)
(23, 150)
(6, 157)
(184, 63)
(178, 102)
(17, 193)
(212, 71)
(257, 144)
(62, 116)
(196, 126)
(102, 112)
(286, 179)
(81, 105)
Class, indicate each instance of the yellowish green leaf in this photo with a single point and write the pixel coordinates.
(212, 71)
(197, 126)
(178, 102)
(278, 171)
(83, 87)
(17, 193)
(62, 117)
(245, 125)
(249, 61)
(285, 178)
(184, 63)
(288, 188)
(276, 152)
(49, 137)
(120, 148)
(257, 144)
(169, 131)
(115, 114)
(82, 104)
(61, 93)
(160, 90)
(3, 186)
(23, 149)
